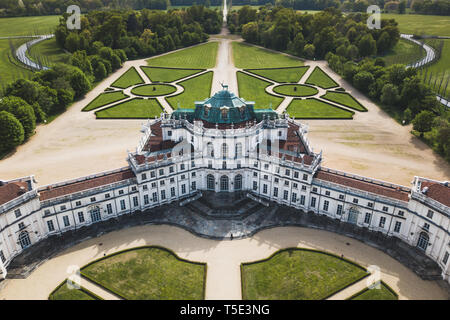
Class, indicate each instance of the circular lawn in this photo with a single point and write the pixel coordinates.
(295, 90)
(153, 90)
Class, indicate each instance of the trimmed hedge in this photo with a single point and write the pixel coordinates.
(82, 289)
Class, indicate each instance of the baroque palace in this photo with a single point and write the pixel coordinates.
(226, 145)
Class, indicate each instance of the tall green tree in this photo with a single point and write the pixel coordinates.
(11, 132)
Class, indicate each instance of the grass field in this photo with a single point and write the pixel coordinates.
(319, 78)
(251, 57)
(153, 90)
(167, 75)
(104, 99)
(345, 99)
(404, 52)
(199, 57)
(421, 24)
(297, 275)
(25, 26)
(316, 109)
(11, 71)
(284, 75)
(295, 90)
(252, 89)
(149, 274)
(129, 78)
(64, 293)
(48, 52)
(440, 69)
(132, 109)
(195, 89)
(376, 294)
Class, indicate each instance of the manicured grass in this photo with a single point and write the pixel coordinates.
(199, 57)
(132, 109)
(195, 89)
(153, 90)
(376, 294)
(319, 78)
(25, 26)
(104, 99)
(404, 52)
(345, 99)
(421, 24)
(251, 57)
(64, 293)
(129, 78)
(48, 53)
(252, 89)
(283, 75)
(296, 90)
(166, 74)
(440, 69)
(296, 274)
(316, 109)
(149, 273)
(11, 71)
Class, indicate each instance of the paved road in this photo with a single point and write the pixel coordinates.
(21, 52)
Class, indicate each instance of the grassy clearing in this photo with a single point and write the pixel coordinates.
(345, 99)
(195, 89)
(421, 24)
(132, 109)
(11, 71)
(25, 26)
(319, 78)
(296, 90)
(48, 52)
(404, 52)
(316, 109)
(296, 274)
(252, 89)
(376, 294)
(153, 90)
(251, 57)
(199, 57)
(129, 78)
(64, 293)
(104, 99)
(167, 75)
(285, 75)
(149, 274)
(440, 69)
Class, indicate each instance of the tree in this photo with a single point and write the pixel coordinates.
(100, 71)
(362, 80)
(11, 132)
(250, 32)
(309, 51)
(389, 94)
(423, 122)
(79, 82)
(72, 42)
(367, 46)
(22, 111)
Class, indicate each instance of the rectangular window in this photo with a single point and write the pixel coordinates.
(183, 189)
(294, 197)
(163, 194)
(154, 197)
(305, 177)
(193, 174)
(66, 221)
(154, 185)
(63, 208)
(296, 174)
(265, 188)
(276, 180)
(161, 172)
(444, 260)
(266, 166)
(339, 209)
(385, 209)
(401, 213)
(327, 193)
(135, 201)
(107, 196)
(2, 256)
(287, 172)
(47, 212)
(286, 183)
(120, 192)
(78, 203)
(17, 213)
(294, 185)
(171, 170)
(341, 197)
(122, 205)
(146, 200)
(182, 166)
(426, 226)
(172, 192)
(255, 174)
(382, 222)
(193, 164)
(50, 226)
(255, 164)
(133, 188)
(194, 185)
(21, 226)
(314, 189)
(266, 177)
(430, 214)
(326, 203)
(144, 187)
(80, 217)
(313, 202)
(209, 164)
(224, 164)
(302, 200)
(239, 164)
(397, 226)
(152, 174)
(109, 208)
(255, 185)
(275, 192)
(367, 218)
(172, 180)
(285, 195)
(144, 176)
(161, 183)
(93, 198)
(355, 200)
(303, 187)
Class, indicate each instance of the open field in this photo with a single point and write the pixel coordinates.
(345, 99)
(282, 75)
(296, 274)
(251, 57)
(440, 69)
(420, 24)
(195, 89)
(132, 109)
(11, 71)
(104, 99)
(295, 90)
(198, 57)
(64, 293)
(316, 109)
(319, 78)
(25, 26)
(376, 294)
(48, 52)
(149, 274)
(167, 75)
(153, 90)
(404, 52)
(129, 78)
(252, 89)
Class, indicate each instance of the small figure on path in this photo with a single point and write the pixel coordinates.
(231, 236)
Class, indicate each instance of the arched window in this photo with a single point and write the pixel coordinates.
(238, 150)
(210, 182)
(210, 149)
(224, 112)
(223, 183)
(224, 150)
(422, 243)
(95, 214)
(238, 182)
(353, 215)
(206, 111)
(24, 239)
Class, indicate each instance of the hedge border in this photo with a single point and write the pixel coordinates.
(153, 84)
(295, 84)
(316, 67)
(142, 80)
(280, 68)
(139, 248)
(343, 92)
(105, 92)
(126, 118)
(317, 118)
(83, 289)
(169, 68)
(304, 249)
(367, 289)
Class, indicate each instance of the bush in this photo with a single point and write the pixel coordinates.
(22, 111)
(11, 132)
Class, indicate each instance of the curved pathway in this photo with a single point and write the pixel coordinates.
(22, 50)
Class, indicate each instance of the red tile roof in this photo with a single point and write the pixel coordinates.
(58, 191)
(437, 191)
(155, 142)
(293, 142)
(12, 190)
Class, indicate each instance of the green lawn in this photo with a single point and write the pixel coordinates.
(316, 109)
(284, 75)
(296, 90)
(129, 78)
(252, 89)
(64, 293)
(153, 90)
(149, 274)
(25, 26)
(440, 69)
(132, 109)
(319, 78)
(104, 99)
(195, 89)
(421, 24)
(404, 52)
(199, 57)
(48, 53)
(251, 57)
(297, 274)
(11, 71)
(376, 294)
(167, 75)
(345, 99)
